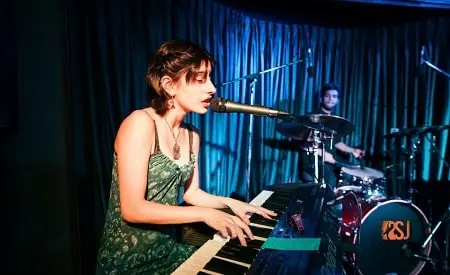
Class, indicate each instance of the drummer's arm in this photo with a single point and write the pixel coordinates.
(328, 157)
(344, 147)
(341, 146)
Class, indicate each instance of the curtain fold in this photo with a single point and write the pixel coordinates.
(383, 87)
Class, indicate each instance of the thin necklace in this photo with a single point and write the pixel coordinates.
(176, 147)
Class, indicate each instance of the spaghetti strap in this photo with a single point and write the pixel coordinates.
(157, 149)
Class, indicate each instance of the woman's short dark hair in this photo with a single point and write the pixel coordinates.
(173, 58)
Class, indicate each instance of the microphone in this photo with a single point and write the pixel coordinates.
(221, 105)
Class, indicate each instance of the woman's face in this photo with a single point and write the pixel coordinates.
(196, 95)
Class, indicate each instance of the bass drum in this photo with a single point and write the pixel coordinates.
(381, 234)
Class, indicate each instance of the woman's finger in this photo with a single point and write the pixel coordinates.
(246, 229)
(242, 238)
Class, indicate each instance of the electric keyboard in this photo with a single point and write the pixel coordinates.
(223, 256)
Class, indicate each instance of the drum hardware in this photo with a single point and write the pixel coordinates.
(416, 135)
(368, 183)
(316, 128)
(445, 219)
(434, 148)
(414, 147)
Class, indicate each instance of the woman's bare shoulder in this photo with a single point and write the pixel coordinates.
(138, 126)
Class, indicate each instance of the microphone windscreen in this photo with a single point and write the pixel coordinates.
(217, 104)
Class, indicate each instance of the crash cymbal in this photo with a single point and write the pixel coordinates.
(299, 127)
(293, 130)
(414, 131)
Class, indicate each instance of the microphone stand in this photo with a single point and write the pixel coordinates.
(250, 137)
(256, 75)
(445, 219)
(426, 62)
(434, 149)
(447, 231)
(254, 78)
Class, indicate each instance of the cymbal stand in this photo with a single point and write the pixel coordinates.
(414, 145)
(319, 177)
(318, 139)
(316, 143)
(322, 192)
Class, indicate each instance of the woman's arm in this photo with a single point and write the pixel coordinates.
(194, 195)
(133, 146)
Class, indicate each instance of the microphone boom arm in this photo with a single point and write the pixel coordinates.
(255, 75)
(436, 68)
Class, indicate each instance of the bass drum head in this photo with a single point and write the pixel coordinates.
(384, 230)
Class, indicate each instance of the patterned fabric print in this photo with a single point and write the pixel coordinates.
(145, 249)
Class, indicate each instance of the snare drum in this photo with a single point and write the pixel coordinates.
(380, 231)
(371, 181)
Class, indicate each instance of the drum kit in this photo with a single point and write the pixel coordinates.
(387, 235)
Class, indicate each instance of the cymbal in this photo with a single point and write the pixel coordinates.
(407, 132)
(299, 127)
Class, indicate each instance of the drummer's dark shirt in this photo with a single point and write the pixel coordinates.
(306, 161)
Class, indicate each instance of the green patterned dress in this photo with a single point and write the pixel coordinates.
(143, 248)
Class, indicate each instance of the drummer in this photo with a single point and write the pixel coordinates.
(329, 98)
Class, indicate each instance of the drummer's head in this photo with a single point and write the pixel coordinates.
(329, 96)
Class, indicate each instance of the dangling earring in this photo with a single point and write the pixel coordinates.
(171, 102)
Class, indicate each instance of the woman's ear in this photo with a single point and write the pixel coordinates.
(168, 85)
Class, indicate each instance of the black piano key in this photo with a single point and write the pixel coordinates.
(257, 244)
(260, 232)
(225, 267)
(257, 219)
(238, 253)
